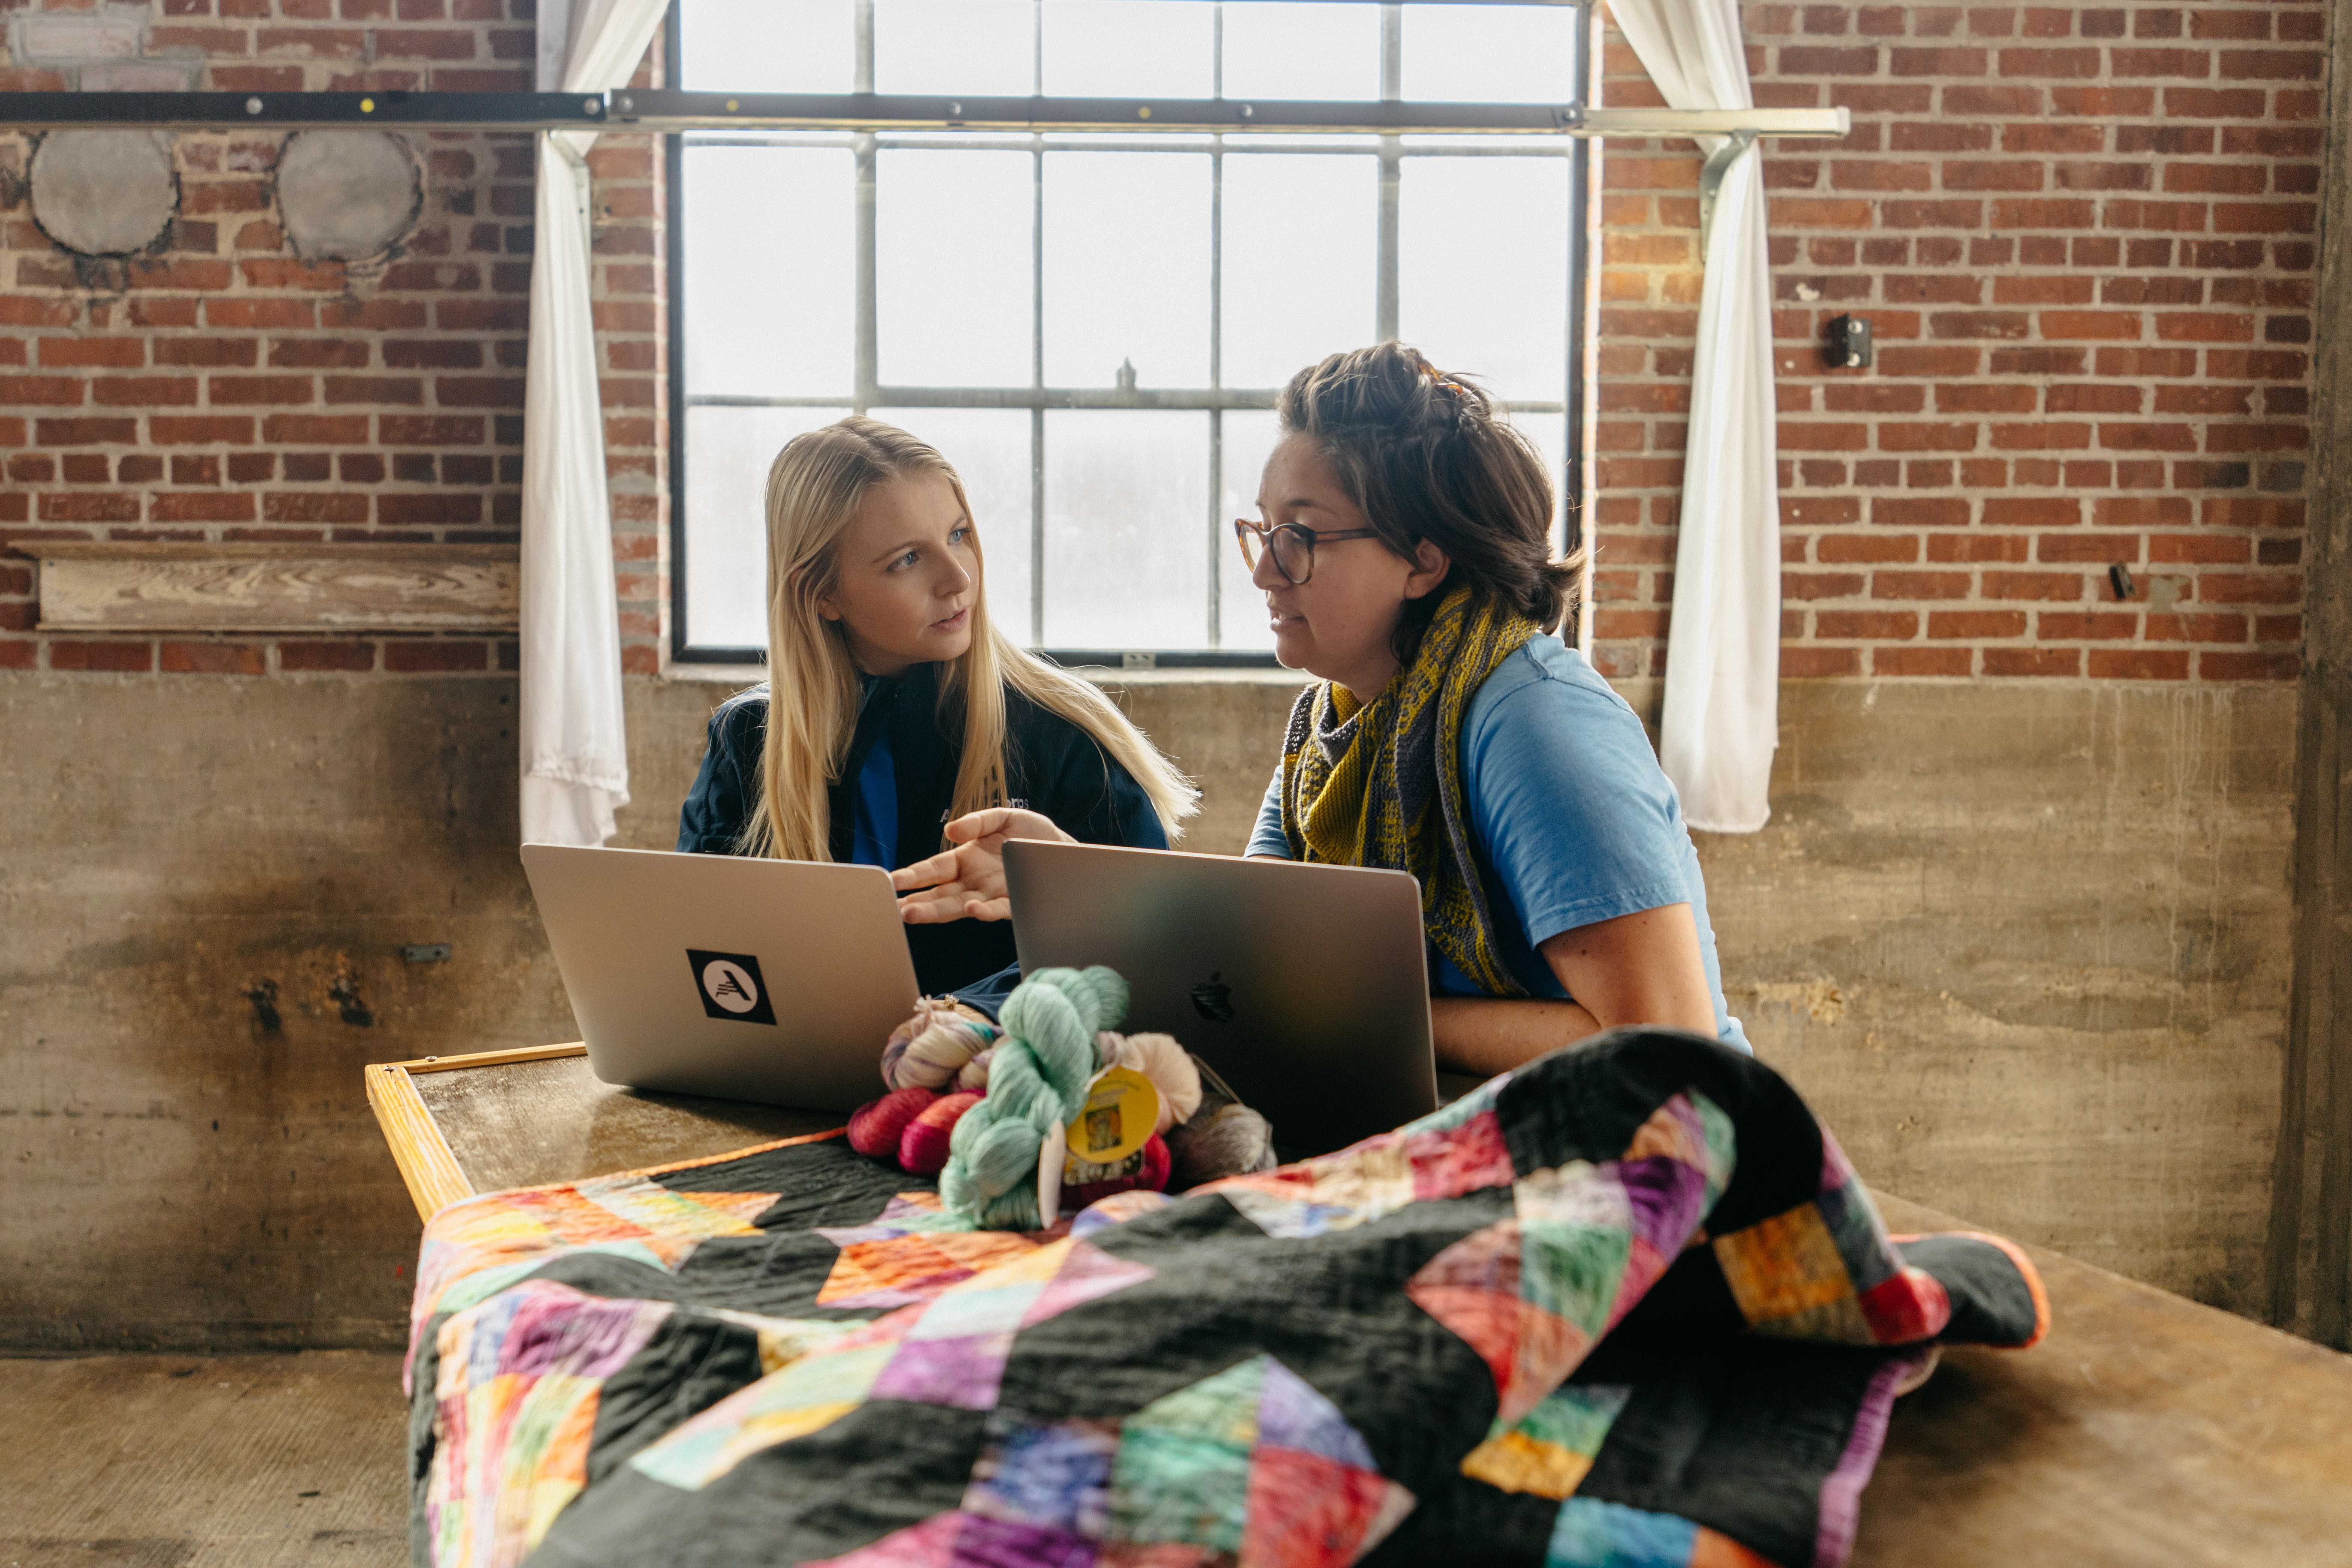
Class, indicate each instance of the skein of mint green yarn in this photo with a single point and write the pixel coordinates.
(1037, 1079)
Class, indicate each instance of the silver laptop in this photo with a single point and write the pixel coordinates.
(1305, 986)
(777, 980)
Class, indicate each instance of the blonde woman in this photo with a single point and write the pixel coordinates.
(899, 728)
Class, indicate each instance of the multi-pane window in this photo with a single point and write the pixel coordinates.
(1094, 327)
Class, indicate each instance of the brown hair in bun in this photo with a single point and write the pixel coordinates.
(1423, 453)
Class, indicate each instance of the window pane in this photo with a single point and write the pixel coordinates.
(1249, 436)
(1127, 268)
(1482, 269)
(1301, 242)
(769, 284)
(1490, 54)
(990, 450)
(767, 46)
(1127, 501)
(1129, 49)
(953, 237)
(1280, 50)
(727, 451)
(982, 47)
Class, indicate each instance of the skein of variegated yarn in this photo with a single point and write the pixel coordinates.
(938, 1046)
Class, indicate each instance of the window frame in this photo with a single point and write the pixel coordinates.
(1569, 529)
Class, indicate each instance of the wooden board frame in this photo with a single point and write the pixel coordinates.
(428, 1165)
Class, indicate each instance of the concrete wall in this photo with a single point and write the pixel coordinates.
(180, 1173)
(2027, 952)
(2024, 947)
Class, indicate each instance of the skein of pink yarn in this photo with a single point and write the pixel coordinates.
(923, 1147)
(876, 1126)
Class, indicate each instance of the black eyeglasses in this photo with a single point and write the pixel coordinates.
(1293, 544)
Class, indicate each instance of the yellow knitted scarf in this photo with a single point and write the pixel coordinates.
(1383, 786)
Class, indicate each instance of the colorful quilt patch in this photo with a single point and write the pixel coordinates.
(1826, 1270)
(1589, 1534)
(1250, 1466)
(483, 1244)
(1425, 1158)
(1116, 1209)
(804, 1397)
(950, 1351)
(515, 1397)
(1548, 1450)
(1532, 1293)
(1787, 1277)
(1254, 1461)
(900, 1258)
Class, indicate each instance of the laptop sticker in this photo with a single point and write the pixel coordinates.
(730, 986)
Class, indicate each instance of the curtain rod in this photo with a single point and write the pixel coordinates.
(662, 109)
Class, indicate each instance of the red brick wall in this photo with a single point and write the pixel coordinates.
(224, 389)
(2083, 237)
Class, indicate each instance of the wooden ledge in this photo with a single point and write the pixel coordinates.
(154, 586)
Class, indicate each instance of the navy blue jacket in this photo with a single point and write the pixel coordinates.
(1051, 766)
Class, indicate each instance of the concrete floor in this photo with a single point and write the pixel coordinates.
(246, 1462)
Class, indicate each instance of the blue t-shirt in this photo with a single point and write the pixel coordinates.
(1577, 822)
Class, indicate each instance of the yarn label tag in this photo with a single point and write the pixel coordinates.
(1122, 1109)
(1050, 1160)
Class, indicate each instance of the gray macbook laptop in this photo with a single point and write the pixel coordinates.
(776, 981)
(1305, 986)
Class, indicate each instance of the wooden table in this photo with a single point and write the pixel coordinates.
(2146, 1429)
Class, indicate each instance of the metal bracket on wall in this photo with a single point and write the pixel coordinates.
(1710, 181)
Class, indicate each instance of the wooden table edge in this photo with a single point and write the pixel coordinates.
(428, 1167)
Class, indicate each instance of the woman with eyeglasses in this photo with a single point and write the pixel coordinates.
(1406, 556)
(893, 705)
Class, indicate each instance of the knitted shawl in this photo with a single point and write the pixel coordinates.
(1384, 788)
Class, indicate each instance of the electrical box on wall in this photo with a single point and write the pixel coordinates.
(1846, 344)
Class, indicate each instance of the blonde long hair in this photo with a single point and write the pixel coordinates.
(815, 488)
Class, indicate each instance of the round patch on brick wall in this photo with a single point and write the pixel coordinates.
(104, 192)
(346, 195)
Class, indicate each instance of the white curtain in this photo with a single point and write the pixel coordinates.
(576, 761)
(1722, 707)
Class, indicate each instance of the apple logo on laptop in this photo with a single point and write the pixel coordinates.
(730, 986)
(1213, 999)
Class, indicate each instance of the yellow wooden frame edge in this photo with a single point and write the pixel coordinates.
(427, 1166)
(491, 1059)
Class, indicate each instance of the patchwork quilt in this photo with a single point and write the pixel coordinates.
(1627, 1308)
